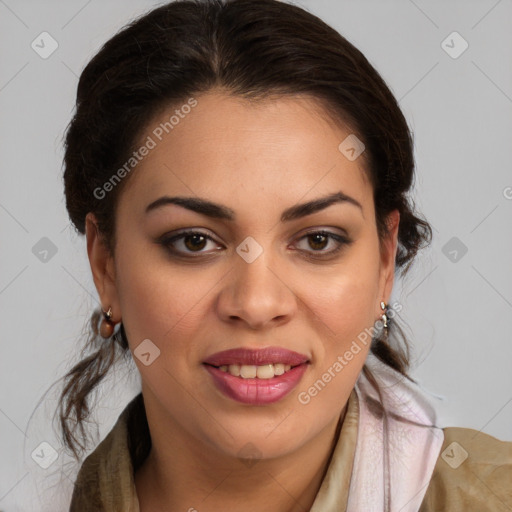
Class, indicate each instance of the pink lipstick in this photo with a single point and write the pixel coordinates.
(256, 376)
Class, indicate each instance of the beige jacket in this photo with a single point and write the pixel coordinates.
(482, 482)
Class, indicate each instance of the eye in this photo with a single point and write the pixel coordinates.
(319, 240)
(188, 242)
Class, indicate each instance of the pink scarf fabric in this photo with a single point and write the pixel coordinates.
(394, 459)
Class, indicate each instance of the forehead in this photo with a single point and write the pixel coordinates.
(242, 152)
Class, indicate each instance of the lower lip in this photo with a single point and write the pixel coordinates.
(256, 391)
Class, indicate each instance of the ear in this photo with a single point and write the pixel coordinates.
(102, 267)
(388, 251)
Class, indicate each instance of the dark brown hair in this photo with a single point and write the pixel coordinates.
(254, 49)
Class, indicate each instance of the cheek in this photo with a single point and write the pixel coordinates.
(345, 318)
(162, 303)
(351, 306)
(343, 304)
(344, 300)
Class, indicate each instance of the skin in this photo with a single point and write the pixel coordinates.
(257, 159)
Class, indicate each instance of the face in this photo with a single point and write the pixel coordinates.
(256, 271)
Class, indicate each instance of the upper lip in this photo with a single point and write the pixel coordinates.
(256, 357)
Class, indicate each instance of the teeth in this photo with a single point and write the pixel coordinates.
(279, 369)
(246, 371)
(264, 372)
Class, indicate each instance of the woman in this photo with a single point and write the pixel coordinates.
(241, 173)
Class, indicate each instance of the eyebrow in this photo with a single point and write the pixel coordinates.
(218, 211)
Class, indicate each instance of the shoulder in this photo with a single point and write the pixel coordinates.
(106, 475)
(473, 473)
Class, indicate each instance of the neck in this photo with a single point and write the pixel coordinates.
(183, 474)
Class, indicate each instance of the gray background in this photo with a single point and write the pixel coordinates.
(458, 305)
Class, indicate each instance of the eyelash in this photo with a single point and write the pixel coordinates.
(342, 241)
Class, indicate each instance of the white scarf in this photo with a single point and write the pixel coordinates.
(394, 460)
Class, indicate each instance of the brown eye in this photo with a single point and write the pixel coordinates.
(189, 242)
(318, 241)
(194, 242)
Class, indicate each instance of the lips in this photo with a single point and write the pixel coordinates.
(256, 357)
(256, 391)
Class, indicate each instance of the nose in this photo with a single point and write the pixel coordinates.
(256, 294)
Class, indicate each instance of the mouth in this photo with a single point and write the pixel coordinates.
(256, 377)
